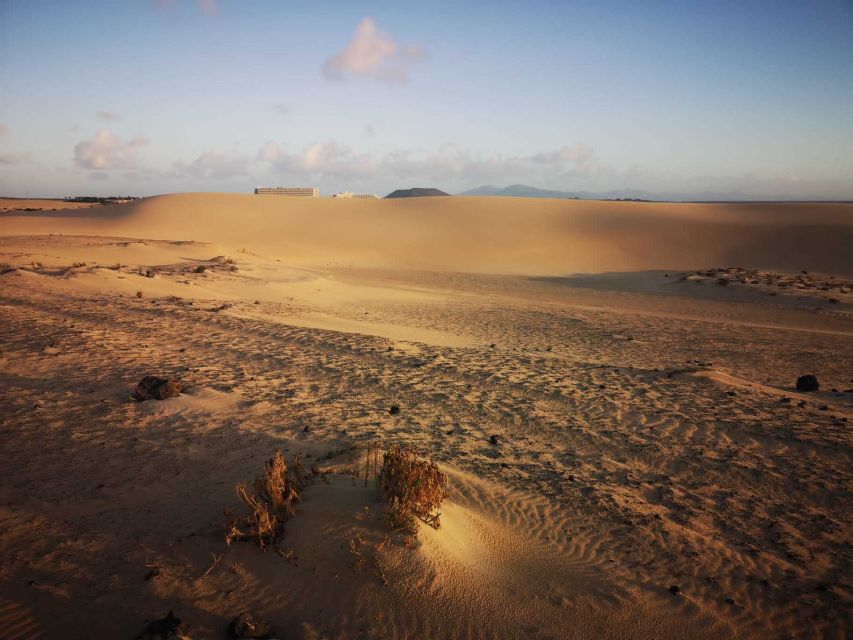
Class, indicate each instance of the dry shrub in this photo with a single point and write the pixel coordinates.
(412, 490)
(270, 502)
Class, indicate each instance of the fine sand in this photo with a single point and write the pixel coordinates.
(648, 434)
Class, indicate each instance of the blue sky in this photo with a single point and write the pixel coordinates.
(752, 99)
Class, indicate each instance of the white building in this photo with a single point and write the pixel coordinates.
(310, 192)
(357, 196)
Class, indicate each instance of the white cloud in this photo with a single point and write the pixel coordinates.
(372, 53)
(449, 166)
(281, 109)
(213, 165)
(107, 151)
(369, 130)
(326, 160)
(270, 152)
(208, 7)
(104, 114)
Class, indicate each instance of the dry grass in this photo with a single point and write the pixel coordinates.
(270, 503)
(412, 489)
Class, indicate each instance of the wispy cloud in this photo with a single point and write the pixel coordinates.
(109, 116)
(208, 7)
(107, 151)
(216, 165)
(270, 152)
(281, 109)
(372, 53)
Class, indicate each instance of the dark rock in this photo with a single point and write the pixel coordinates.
(674, 589)
(246, 626)
(494, 440)
(731, 392)
(416, 192)
(162, 629)
(807, 383)
(199, 269)
(722, 282)
(154, 388)
(394, 410)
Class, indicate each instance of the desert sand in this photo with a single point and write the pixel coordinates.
(653, 473)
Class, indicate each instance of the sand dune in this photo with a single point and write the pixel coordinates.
(647, 433)
(482, 234)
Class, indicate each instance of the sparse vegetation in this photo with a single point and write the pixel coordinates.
(78, 264)
(270, 502)
(412, 490)
(36, 264)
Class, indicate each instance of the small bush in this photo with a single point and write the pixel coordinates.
(78, 264)
(412, 490)
(270, 502)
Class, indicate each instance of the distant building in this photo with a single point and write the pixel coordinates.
(309, 192)
(357, 196)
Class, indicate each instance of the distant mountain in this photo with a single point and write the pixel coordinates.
(519, 191)
(526, 191)
(416, 192)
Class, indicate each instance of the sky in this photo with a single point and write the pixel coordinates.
(745, 100)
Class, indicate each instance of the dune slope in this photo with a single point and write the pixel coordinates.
(481, 234)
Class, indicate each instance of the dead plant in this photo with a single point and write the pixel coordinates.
(412, 490)
(270, 502)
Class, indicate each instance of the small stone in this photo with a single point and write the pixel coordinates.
(394, 410)
(807, 383)
(246, 626)
(494, 440)
(162, 629)
(154, 388)
(674, 589)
